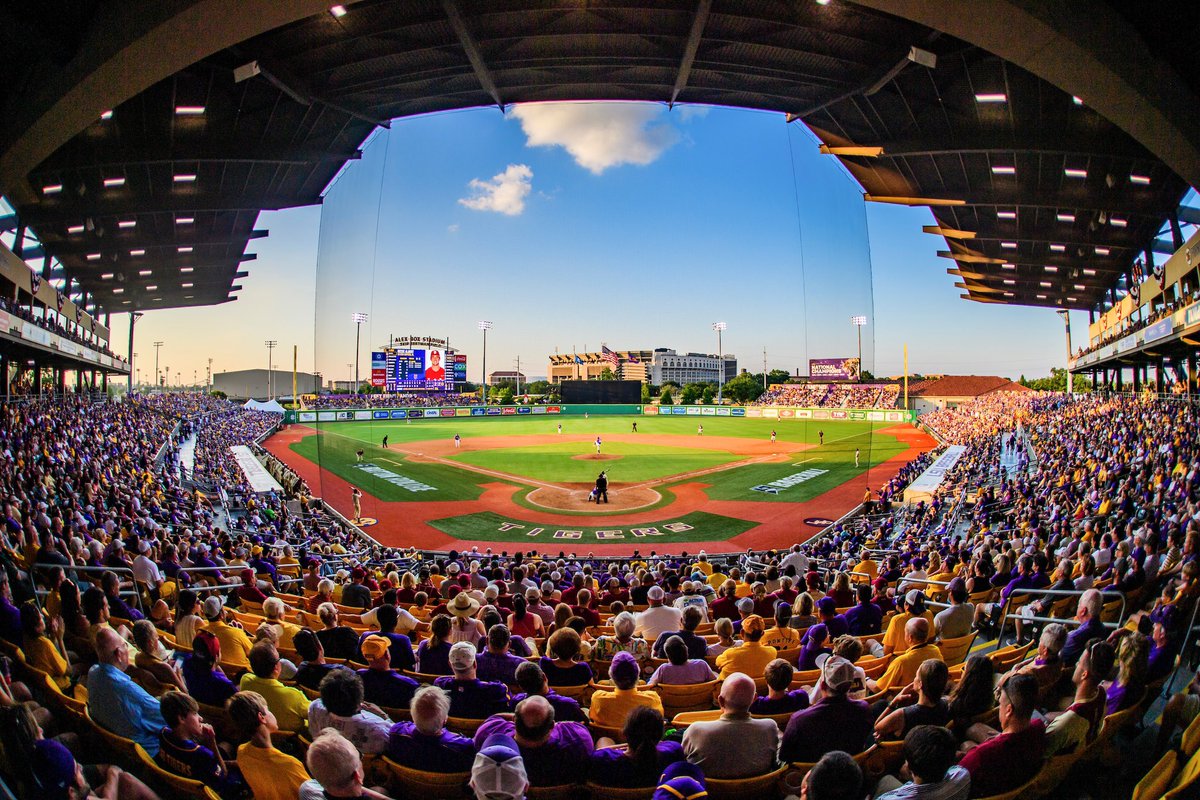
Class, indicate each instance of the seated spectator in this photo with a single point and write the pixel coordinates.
(188, 747)
(973, 694)
(187, 622)
(804, 614)
(1132, 651)
(341, 707)
(680, 669)
(955, 622)
(115, 702)
(312, 668)
(559, 663)
(498, 772)
(850, 649)
(919, 703)
(645, 757)
(355, 594)
(780, 697)
(471, 698)
(835, 777)
(611, 708)
(1081, 722)
(433, 654)
(929, 754)
(95, 608)
(110, 584)
(816, 645)
(751, 658)
(270, 774)
(555, 753)
(523, 621)
(532, 682)
(903, 668)
(1004, 762)
(681, 780)
(835, 722)
(45, 652)
(382, 685)
(248, 592)
(736, 745)
(235, 644)
(57, 776)
(425, 743)
(288, 704)
(496, 663)
(912, 607)
(153, 658)
(1164, 648)
(1047, 666)
(623, 641)
(1088, 614)
(781, 636)
(273, 612)
(835, 623)
(697, 646)
(339, 641)
(205, 680)
(723, 628)
(658, 618)
(337, 771)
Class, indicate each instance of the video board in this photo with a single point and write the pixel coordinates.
(423, 368)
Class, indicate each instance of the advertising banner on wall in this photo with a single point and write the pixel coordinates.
(833, 369)
(1158, 330)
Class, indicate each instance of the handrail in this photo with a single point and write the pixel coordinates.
(1061, 593)
(115, 570)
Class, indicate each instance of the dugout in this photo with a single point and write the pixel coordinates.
(602, 392)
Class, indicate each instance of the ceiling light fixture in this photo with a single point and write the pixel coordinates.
(185, 249)
(184, 220)
(75, 229)
(1009, 245)
(189, 111)
(138, 252)
(1004, 170)
(1065, 217)
(107, 115)
(338, 11)
(1075, 173)
(991, 97)
(126, 224)
(1006, 214)
(93, 256)
(53, 188)
(1058, 248)
(184, 178)
(1143, 180)
(1101, 251)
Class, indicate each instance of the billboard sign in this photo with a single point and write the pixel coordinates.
(833, 369)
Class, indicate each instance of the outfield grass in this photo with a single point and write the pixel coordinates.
(557, 463)
(486, 526)
(335, 450)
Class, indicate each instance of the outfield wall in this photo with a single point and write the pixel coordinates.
(752, 412)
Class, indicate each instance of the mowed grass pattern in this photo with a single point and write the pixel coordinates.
(557, 463)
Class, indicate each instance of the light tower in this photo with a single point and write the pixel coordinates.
(719, 327)
(359, 318)
(270, 343)
(485, 325)
(858, 320)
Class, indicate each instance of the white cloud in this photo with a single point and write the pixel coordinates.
(452, 228)
(598, 135)
(504, 193)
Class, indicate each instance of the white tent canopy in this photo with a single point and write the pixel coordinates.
(270, 405)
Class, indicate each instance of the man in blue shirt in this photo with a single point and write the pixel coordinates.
(115, 702)
(425, 743)
(470, 697)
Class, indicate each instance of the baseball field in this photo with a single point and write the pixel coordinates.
(522, 483)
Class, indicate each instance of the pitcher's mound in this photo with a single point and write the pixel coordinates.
(574, 497)
(596, 457)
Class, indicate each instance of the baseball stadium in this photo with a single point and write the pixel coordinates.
(800, 518)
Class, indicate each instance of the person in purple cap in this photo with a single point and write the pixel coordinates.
(681, 781)
(499, 770)
(816, 643)
(834, 622)
(610, 709)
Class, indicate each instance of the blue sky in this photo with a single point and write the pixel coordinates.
(569, 225)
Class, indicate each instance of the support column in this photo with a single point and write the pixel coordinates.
(1159, 377)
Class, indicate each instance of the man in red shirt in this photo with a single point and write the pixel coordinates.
(1011, 759)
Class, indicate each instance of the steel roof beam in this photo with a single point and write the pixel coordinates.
(695, 34)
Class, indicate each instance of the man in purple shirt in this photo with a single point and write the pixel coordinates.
(835, 623)
(382, 685)
(1091, 605)
(496, 663)
(470, 697)
(425, 743)
(835, 722)
(866, 617)
(555, 753)
(10, 615)
(532, 683)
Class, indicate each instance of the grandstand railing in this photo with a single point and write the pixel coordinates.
(1111, 593)
(118, 571)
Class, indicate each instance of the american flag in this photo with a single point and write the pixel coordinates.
(609, 356)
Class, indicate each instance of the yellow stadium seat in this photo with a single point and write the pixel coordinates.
(1191, 739)
(178, 785)
(689, 717)
(1155, 783)
(679, 698)
(428, 785)
(954, 651)
(760, 787)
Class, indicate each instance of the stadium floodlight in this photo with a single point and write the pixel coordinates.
(1066, 318)
(485, 325)
(719, 327)
(271, 345)
(858, 321)
(359, 318)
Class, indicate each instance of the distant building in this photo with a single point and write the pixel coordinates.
(244, 384)
(500, 377)
(951, 391)
(684, 368)
(648, 366)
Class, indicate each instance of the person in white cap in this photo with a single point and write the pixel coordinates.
(499, 771)
(658, 618)
(835, 722)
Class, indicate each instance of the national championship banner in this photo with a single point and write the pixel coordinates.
(833, 369)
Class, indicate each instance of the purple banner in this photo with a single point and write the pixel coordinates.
(833, 369)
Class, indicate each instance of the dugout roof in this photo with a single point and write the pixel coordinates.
(1053, 140)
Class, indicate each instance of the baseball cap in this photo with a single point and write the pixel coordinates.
(212, 607)
(374, 646)
(462, 656)
(753, 624)
(681, 781)
(54, 767)
(624, 667)
(827, 605)
(358, 573)
(745, 604)
(914, 596)
(499, 771)
(838, 674)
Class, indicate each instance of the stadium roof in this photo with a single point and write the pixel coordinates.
(139, 141)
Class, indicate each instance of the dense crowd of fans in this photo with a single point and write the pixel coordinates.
(69, 330)
(288, 637)
(1145, 320)
(831, 395)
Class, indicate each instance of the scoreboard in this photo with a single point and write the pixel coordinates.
(418, 364)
